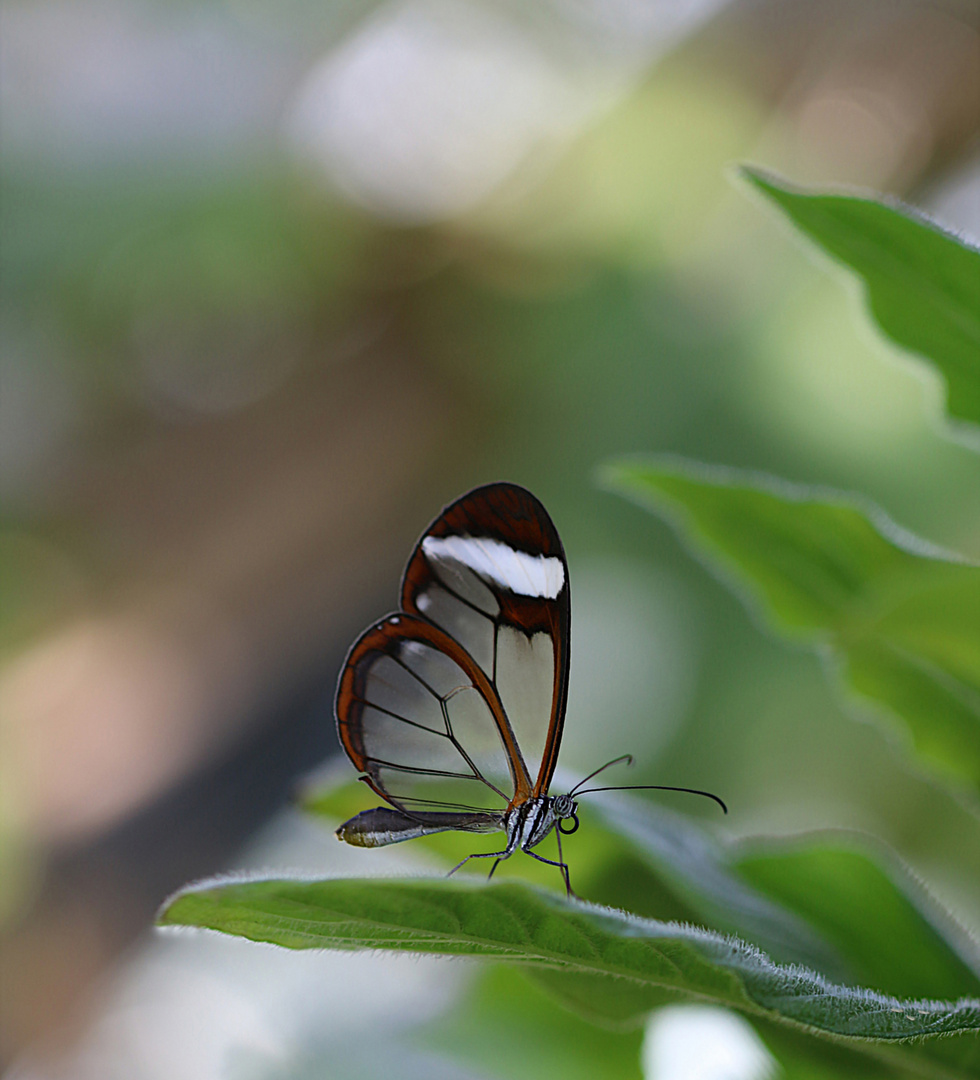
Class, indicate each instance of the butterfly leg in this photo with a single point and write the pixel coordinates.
(513, 838)
(563, 867)
(498, 855)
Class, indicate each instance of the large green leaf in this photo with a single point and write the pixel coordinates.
(699, 870)
(802, 1057)
(817, 896)
(864, 910)
(922, 284)
(902, 617)
(626, 964)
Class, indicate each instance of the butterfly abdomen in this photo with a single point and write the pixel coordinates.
(383, 825)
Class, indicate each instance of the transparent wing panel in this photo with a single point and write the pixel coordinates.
(389, 685)
(426, 733)
(521, 667)
(525, 681)
(471, 628)
(459, 578)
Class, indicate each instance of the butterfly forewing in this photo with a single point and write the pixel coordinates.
(491, 572)
(415, 716)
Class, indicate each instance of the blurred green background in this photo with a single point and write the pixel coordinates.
(280, 280)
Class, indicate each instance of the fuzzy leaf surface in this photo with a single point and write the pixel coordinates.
(634, 963)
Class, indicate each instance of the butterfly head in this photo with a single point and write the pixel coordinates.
(564, 808)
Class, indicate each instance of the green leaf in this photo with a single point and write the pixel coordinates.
(819, 900)
(864, 911)
(801, 1057)
(799, 1054)
(699, 870)
(636, 961)
(901, 616)
(922, 284)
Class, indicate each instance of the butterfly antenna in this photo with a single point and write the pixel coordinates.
(628, 758)
(657, 787)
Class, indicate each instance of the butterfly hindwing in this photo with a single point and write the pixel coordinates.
(421, 721)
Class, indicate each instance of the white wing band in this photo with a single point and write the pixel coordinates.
(527, 575)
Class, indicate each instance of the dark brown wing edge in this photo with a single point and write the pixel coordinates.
(510, 513)
(382, 637)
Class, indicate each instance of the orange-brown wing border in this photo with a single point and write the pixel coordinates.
(511, 514)
(382, 637)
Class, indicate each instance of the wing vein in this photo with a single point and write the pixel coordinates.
(415, 675)
(397, 716)
(427, 772)
(441, 583)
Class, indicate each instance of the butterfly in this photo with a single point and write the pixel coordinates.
(452, 708)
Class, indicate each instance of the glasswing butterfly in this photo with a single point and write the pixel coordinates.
(452, 708)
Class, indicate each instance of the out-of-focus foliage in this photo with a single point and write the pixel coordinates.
(901, 617)
(847, 896)
(821, 901)
(921, 283)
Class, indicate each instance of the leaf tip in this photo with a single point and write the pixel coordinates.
(182, 907)
(760, 179)
(165, 913)
(609, 474)
(170, 914)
